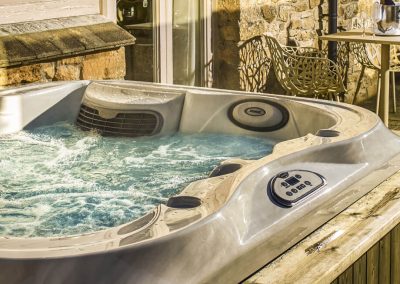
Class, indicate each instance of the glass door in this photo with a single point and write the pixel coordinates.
(186, 42)
(172, 40)
(136, 16)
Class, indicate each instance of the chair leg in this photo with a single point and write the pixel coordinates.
(378, 94)
(358, 84)
(394, 91)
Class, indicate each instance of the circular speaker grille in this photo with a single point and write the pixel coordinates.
(258, 115)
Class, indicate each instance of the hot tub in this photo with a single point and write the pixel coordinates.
(219, 229)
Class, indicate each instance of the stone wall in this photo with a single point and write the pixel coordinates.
(292, 22)
(101, 65)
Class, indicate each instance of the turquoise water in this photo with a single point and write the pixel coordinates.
(59, 180)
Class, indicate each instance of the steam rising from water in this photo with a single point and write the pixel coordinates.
(58, 180)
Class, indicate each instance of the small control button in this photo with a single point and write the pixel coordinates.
(300, 187)
(294, 190)
(284, 184)
(284, 175)
(288, 193)
(298, 176)
(307, 182)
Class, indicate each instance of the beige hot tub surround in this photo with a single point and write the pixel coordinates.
(220, 229)
(360, 244)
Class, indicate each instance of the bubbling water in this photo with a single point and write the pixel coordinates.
(58, 180)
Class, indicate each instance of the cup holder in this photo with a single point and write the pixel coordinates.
(224, 169)
(183, 202)
(327, 133)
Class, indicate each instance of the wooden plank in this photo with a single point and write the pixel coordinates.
(384, 260)
(395, 255)
(346, 277)
(34, 10)
(335, 281)
(360, 270)
(373, 264)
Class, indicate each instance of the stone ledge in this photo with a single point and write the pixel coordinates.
(34, 47)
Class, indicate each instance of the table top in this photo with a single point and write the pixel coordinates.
(357, 36)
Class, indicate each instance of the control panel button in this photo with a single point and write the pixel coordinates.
(300, 187)
(284, 175)
(285, 184)
(289, 187)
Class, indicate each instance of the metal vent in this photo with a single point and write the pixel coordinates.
(130, 124)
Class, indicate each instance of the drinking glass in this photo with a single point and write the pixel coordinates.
(376, 16)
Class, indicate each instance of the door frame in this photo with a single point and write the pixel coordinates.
(108, 8)
(162, 39)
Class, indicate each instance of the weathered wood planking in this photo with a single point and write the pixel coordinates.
(384, 260)
(14, 11)
(346, 277)
(360, 270)
(379, 265)
(395, 255)
(373, 265)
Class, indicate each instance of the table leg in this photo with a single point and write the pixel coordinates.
(384, 104)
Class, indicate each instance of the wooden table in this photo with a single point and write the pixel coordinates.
(385, 42)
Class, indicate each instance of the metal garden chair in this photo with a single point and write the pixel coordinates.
(305, 71)
(254, 64)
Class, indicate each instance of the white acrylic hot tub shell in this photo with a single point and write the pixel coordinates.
(237, 228)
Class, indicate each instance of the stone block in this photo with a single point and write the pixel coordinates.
(314, 3)
(230, 6)
(230, 33)
(284, 12)
(301, 5)
(48, 70)
(230, 55)
(71, 60)
(105, 65)
(350, 10)
(67, 72)
(269, 12)
(19, 75)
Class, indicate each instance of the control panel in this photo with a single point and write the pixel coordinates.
(289, 187)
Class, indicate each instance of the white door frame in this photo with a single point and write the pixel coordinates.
(207, 8)
(108, 8)
(163, 53)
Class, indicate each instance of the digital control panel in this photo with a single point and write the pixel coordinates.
(289, 187)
